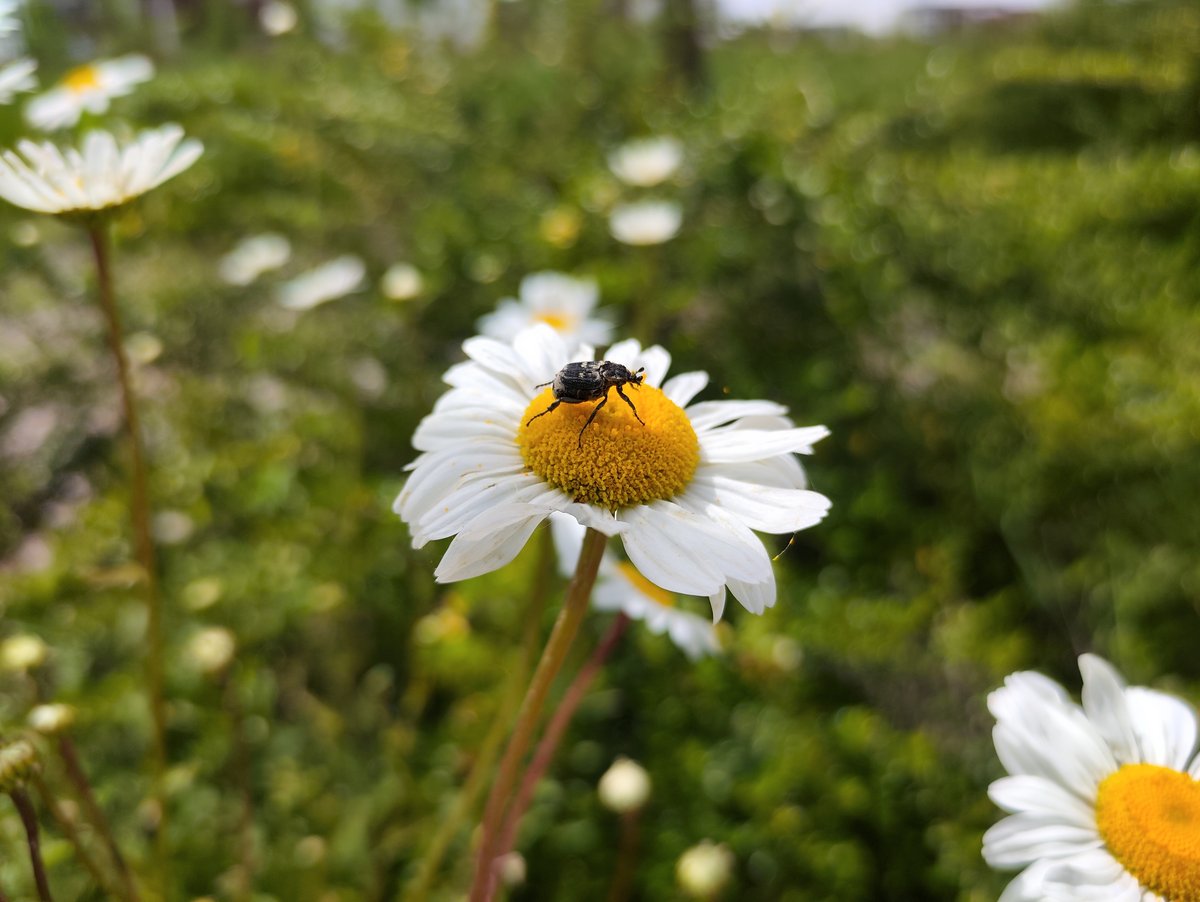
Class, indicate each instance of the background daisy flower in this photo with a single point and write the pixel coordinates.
(685, 491)
(89, 88)
(102, 173)
(646, 222)
(560, 301)
(646, 162)
(16, 78)
(327, 282)
(619, 587)
(254, 256)
(1104, 799)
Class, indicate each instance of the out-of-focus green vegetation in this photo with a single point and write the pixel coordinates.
(975, 259)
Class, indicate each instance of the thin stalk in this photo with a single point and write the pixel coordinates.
(67, 825)
(552, 738)
(139, 510)
(622, 882)
(242, 765)
(485, 759)
(78, 777)
(29, 818)
(565, 627)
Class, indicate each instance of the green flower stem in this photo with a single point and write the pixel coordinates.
(71, 831)
(29, 818)
(553, 655)
(143, 544)
(622, 882)
(78, 777)
(552, 738)
(485, 758)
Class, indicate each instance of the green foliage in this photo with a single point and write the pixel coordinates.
(974, 260)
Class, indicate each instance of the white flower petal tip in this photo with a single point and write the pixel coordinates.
(645, 222)
(89, 88)
(1097, 792)
(254, 256)
(327, 282)
(100, 175)
(16, 78)
(647, 161)
(562, 302)
(491, 449)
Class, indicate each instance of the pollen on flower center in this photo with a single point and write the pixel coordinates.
(556, 321)
(647, 588)
(1149, 817)
(82, 78)
(620, 463)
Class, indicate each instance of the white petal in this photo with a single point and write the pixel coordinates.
(1104, 702)
(490, 545)
(710, 414)
(1021, 839)
(1165, 727)
(754, 444)
(760, 507)
(567, 533)
(656, 360)
(682, 388)
(1037, 795)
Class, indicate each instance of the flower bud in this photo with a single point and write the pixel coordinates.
(50, 720)
(211, 649)
(704, 869)
(23, 652)
(18, 759)
(625, 786)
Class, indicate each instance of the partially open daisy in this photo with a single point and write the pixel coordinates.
(89, 88)
(101, 174)
(560, 301)
(620, 587)
(647, 161)
(1104, 799)
(685, 488)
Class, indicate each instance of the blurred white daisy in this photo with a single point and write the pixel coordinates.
(327, 282)
(562, 302)
(8, 16)
(1104, 799)
(101, 174)
(683, 488)
(619, 587)
(401, 282)
(16, 78)
(88, 88)
(645, 222)
(254, 256)
(647, 161)
(277, 17)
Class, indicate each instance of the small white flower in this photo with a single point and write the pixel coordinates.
(646, 162)
(562, 302)
(211, 649)
(326, 282)
(254, 256)
(1103, 799)
(401, 282)
(619, 587)
(646, 222)
(23, 651)
(684, 487)
(16, 78)
(277, 17)
(704, 869)
(88, 88)
(52, 719)
(101, 174)
(625, 786)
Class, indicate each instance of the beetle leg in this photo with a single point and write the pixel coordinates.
(595, 410)
(625, 398)
(543, 413)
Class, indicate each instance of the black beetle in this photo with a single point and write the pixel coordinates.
(587, 381)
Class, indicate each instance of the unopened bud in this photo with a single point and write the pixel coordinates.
(512, 869)
(704, 869)
(211, 649)
(625, 786)
(23, 652)
(50, 720)
(18, 759)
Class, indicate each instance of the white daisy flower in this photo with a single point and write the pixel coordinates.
(646, 222)
(1104, 799)
(8, 16)
(16, 78)
(683, 488)
(647, 161)
(254, 256)
(277, 17)
(619, 587)
(560, 301)
(101, 174)
(327, 282)
(402, 282)
(88, 89)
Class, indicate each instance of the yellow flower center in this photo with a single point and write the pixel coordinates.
(556, 321)
(654, 593)
(1149, 817)
(620, 462)
(82, 78)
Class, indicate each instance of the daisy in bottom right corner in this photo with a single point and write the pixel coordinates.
(1103, 798)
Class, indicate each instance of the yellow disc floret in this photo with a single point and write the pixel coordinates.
(655, 593)
(617, 462)
(1149, 817)
(82, 78)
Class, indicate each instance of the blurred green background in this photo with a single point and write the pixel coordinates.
(974, 256)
